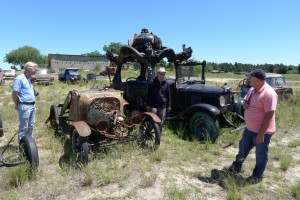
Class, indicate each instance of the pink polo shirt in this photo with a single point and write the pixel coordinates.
(261, 102)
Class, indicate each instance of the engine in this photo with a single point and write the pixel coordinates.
(142, 41)
(105, 116)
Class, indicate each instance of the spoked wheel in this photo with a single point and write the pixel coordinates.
(29, 150)
(54, 117)
(149, 134)
(80, 147)
(203, 126)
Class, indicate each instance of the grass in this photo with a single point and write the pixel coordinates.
(182, 167)
(296, 191)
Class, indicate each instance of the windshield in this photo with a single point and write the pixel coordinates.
(72, 71)
(276, 81)
(189, 73)
(9, 71)
(44, 71)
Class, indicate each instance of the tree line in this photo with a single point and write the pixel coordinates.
(20, 56)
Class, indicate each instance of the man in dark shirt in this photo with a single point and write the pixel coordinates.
(159, 96)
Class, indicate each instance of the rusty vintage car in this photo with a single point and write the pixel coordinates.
(277, 81)
(42, 76)
(10, 74)
(97, 118)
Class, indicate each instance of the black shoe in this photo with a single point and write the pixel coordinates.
(233, 169)
(253, 179)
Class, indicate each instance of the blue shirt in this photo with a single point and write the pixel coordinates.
(24, 87)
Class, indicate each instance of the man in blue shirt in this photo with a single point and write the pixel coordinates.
(24, 99)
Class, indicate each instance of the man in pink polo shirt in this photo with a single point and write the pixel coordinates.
(260, 106)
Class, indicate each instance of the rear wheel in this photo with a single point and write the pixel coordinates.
(29, 150)
(204, 127)
(80, 147)
(149, 134)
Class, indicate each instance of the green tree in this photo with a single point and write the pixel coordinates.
(114, 47)
(281, 69)
(93, 53)
(298, 68)
(24, 54)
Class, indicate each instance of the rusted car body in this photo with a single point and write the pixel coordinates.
(10, 74)
(277, 81)
(99, 117)
(42, 76)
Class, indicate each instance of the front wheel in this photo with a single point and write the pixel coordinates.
(149, 134)
(29, 150)
(54, 122)
(204, 127)
(80, 147)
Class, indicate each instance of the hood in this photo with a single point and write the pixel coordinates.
(199, 88)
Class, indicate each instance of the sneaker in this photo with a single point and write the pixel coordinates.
(253, 179)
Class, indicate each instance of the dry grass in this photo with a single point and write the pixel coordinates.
(180, 169)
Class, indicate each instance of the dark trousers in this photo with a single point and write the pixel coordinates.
(247, 142)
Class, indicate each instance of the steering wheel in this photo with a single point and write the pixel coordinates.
(131, 79)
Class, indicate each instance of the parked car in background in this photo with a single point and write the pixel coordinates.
(9, 74)
(92, 77)
(70, 74)
(277, 81)
(42, 76)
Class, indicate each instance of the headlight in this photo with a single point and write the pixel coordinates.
(236, 97)
(222, 101)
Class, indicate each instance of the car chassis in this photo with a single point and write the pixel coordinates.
(98, 118)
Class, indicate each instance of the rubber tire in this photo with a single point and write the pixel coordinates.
(80, 147)
(28, 144)
(149, 130)
(1, 127)
(204, 127)
(54, 116)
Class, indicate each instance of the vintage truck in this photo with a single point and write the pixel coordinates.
(70, 74)
(204, 108)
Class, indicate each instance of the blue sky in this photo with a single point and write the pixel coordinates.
(253, 31)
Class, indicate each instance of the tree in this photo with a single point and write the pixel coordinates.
(93, 53)
(24, 54)
(114, 47)
(281, 69)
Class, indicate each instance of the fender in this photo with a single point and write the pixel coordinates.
(153, 116)
(82, 128)
(201, 107)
